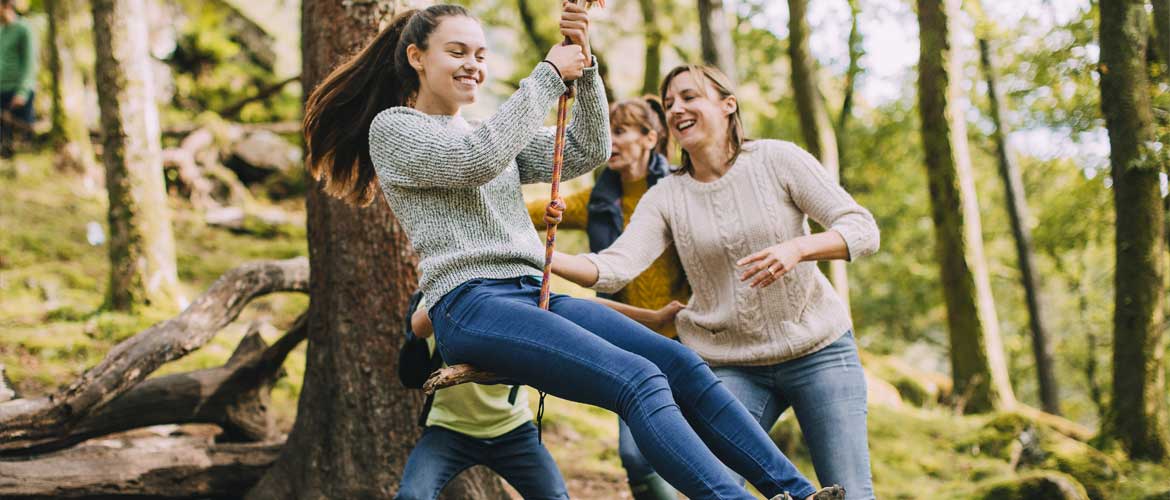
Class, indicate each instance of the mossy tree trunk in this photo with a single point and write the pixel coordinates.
(356, 424)
(1137, 416)
(718, 47)
(856, 50)
(977, 360)
(70, 133)
(653, 60)
(815, 123)
(142, 245)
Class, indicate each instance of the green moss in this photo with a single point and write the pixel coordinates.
(1044, 485)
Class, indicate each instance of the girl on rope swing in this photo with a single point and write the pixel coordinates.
(638, 160)
(762, 312)
(455, 187)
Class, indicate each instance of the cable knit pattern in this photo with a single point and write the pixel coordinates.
(765, 198)
(455, 186)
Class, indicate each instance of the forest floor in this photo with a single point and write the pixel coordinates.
(51, 329)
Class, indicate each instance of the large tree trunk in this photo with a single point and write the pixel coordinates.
(1018, 214)
(355, 424)
(142, 247)
(70, 132)
(977, 359)
(815, 123)
(1137, 416)
(715, 37)
(653, 61)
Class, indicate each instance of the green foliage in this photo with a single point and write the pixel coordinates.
(215, 68)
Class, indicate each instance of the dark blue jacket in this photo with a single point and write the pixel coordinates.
(605, 222)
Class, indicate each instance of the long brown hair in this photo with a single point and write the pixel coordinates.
(645, 113)
(735, 132)
(339, 111)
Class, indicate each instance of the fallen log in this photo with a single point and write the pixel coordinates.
(154, 467)
(29, 421)
(234, 396)
(183, 158)
(289, 127)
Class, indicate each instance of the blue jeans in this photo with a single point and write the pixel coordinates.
(827, 391)
(517, 456)
(23, 114)
(583, 351)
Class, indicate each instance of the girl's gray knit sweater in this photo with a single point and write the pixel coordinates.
(455, 186)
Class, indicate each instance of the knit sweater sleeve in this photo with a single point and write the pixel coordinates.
(586, 136)
(28, 72)
(826, 202)
(645, 238)
(410, 149)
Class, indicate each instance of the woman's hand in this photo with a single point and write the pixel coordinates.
(554, 213)
(665, 315)
(575, 27)
(769, 264)
(569, 60)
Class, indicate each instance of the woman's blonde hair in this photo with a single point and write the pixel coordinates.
(644, 113)
(722, 84)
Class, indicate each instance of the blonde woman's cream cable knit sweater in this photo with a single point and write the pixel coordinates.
(766, 198)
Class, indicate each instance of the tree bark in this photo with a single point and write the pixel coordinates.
(856, 50)
(234, 396)
(1137, 416)
(652, 70)
(355, 424)
(142, 247)
(715, 36)
(1018, 214)
(70, 134)
(977, 359)
(1162, 34)
(25, 423)
(152, 467)
(815, 123)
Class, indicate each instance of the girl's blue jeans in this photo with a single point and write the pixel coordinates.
(684, 420)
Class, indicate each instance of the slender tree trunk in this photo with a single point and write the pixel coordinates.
(856, 50)
(1137, 416)
(1161, 37)
(70, 133)
(815, 123)
(355, 424)
(142, 247)
(1018, 213)
(654, 36)
(977, 359)
(715, 36)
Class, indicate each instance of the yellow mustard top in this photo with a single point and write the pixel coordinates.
(661, 283)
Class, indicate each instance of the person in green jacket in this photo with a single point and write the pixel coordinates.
(18, 69)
